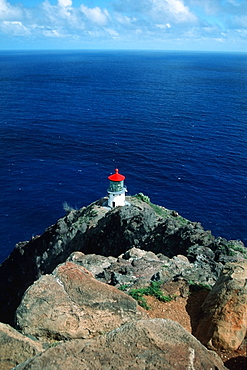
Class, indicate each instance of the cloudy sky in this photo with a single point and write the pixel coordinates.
(124, 24)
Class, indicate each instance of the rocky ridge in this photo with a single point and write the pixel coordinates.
(62, 286)
(98, 230)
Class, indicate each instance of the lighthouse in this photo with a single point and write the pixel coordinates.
(116, 190)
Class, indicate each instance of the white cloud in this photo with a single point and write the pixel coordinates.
(65, 3)
(218, 7)
(178, 7)
(62, 15)
(49, 12)
(234, 2)
(113, 33)
(127, 21)
(241, 21)
(124, 19)
(15, 28)
(53, 33)
(93, 34)
(96, 15)
(8, 12)
(172, 9)
(163, 26)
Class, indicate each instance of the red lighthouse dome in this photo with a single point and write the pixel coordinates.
(116, 176)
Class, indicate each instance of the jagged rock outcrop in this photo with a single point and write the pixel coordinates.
(98, 230)
(128, 268)
(93, 262)
(71, 303)
(145, 344)
(224, 321)
(137, 267)
(15, 347)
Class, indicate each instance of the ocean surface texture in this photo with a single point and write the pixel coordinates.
(175, 124)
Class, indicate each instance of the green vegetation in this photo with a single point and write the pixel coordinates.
(232, 249)
(238, 248)
(226, 250)
(138, 296)
(142, 197)
(53, 344)
(159, 210)
(93, 213)
(183, 220)
(153, 290)
(86, 218)
(124, 287)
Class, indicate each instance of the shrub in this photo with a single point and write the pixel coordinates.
(143, 197)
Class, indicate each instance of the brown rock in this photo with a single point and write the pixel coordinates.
(145, 344)
(15, 347)
(224, 321)
(71, 303)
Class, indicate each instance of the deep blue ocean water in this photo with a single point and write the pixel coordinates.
(175, 124)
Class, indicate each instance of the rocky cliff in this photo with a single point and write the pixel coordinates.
(59, 290)
(97, 229)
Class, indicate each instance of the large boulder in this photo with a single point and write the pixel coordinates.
(224, 312)
(15, 347)
(71, 303)
(145, 344)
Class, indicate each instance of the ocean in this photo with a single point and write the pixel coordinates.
(174, 123)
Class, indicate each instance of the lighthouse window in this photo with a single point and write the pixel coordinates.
(116, 186)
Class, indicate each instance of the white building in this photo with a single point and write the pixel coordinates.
(116, 190)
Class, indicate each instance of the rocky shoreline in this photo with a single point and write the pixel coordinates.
(73, 282)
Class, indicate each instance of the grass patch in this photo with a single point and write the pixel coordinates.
(137, 294)
(153, 290)
(124, 287)
(161, 211)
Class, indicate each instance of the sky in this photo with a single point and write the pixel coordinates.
(205, 25)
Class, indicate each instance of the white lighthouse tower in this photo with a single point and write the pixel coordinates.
(116, 190)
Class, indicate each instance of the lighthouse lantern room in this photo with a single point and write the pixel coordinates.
(116, 190)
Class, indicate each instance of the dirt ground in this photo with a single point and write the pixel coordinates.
(186, 312)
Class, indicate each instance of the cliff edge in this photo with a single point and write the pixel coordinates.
(96, 229)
